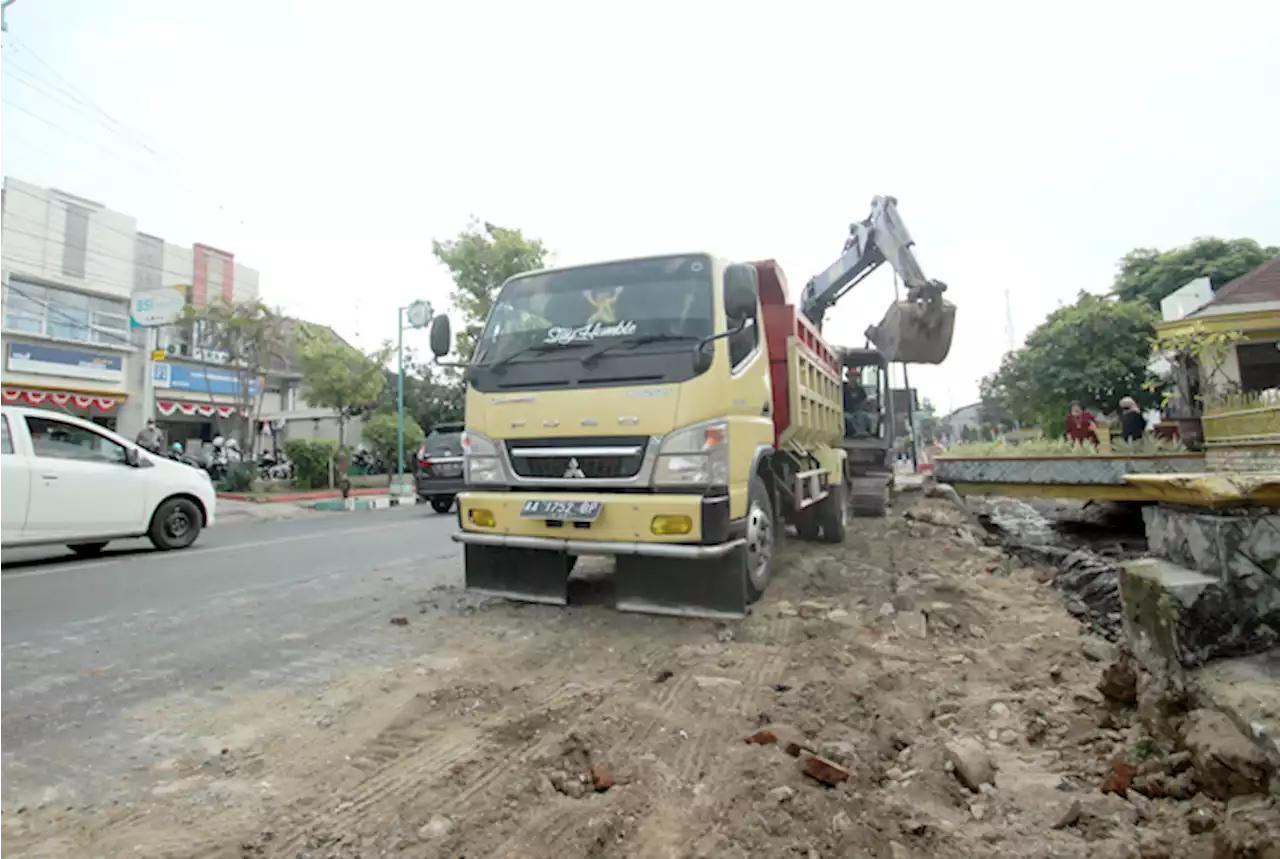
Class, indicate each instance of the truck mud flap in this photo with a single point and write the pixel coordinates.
(525, 575)
(915, 332)
(869, 495)
(714, 588)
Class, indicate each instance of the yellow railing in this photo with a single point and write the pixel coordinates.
(1242, 419)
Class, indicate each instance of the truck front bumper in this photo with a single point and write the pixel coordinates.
(599, 547)
(622, 528)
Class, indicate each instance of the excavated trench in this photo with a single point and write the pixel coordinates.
(1083, 543)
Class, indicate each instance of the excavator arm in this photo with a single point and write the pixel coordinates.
(917, 330)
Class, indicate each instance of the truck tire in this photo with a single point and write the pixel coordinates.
(758, 554)
(832, 514)
(175, 524)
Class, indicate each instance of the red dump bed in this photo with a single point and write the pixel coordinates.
(781, 322)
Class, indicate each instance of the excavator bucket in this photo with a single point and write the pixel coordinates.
(915, 332)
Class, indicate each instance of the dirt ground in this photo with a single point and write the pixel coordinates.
(912, 655)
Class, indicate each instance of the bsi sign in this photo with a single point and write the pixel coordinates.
(155, 307)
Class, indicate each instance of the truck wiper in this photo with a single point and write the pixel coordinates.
(537, 348)
(631, 343)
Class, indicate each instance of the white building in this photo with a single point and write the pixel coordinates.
(69, 267)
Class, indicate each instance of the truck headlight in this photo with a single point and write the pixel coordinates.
(696, 455)
(480, 459)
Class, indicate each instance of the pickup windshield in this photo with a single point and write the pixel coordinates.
(541, 325)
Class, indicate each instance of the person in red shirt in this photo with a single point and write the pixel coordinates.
(1081, 426)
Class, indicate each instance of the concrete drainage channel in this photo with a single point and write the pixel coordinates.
(1086, 562)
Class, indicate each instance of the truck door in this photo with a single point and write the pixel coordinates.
(750, 394)
(15, 485)
(81, 485)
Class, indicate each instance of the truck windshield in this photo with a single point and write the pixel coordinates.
(542, 321)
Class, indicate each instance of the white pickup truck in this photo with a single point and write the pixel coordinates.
(66, 480)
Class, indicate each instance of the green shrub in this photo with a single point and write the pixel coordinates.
(379, 433)
(310, 458)
(239, 478)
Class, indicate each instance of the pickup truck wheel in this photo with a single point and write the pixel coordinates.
(88, 550)
(760, 539)
(442, 503)
(832, 514)
(175, 524)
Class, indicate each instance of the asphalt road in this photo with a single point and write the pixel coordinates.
(266, 603)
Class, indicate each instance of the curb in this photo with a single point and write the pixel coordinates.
(284, 497)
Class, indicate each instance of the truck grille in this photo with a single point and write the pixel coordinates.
(606, 458)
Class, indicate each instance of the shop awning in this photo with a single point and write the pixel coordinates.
(59, 398)
(207, 410)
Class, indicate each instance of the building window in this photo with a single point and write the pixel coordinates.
(48, 311)
(75, 241)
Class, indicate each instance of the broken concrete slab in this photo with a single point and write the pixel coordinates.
(1184, 617)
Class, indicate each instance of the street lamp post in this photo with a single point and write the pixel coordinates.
(418, 314)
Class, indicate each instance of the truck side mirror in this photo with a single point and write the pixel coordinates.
(441, 336)
(741, 292)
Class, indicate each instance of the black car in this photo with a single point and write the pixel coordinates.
(438, 467)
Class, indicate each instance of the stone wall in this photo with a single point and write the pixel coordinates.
(1247, 459)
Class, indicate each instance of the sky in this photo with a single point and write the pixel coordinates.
(1030, 145)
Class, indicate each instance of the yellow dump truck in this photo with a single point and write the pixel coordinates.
(673, 412)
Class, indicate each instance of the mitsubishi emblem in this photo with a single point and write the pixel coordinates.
(573, 471)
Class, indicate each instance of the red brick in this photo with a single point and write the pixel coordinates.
(825, 771)
(601, 777)
(762, 738)
(1119, 780)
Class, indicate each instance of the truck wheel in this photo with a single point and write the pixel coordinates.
(175, 524)
(88, 550)
(442, 503)
(760, 539)
(832, 514)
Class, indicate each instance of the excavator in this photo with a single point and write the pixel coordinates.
(917, 330)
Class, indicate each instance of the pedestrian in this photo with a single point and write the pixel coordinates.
(1133, 424)
(1081, 425)
(149, 437)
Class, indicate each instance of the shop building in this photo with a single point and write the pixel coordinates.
(70, 266)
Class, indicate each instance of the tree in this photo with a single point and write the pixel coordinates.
(1094, 351)
(250, 335)
(336, 375)
(927, 424)
(1194, 358)
(995, 410)
(379, 433)
(1150, 275)
(480, 259)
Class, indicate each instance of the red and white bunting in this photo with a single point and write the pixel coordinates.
(168, 407)
(58, 398)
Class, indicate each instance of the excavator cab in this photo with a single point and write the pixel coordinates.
(869, 434)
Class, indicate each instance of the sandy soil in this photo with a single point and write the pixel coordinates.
(878, 654)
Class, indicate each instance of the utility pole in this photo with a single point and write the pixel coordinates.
(418, 314)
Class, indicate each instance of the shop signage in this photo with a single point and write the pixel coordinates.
(200, 380)
(68, 363)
